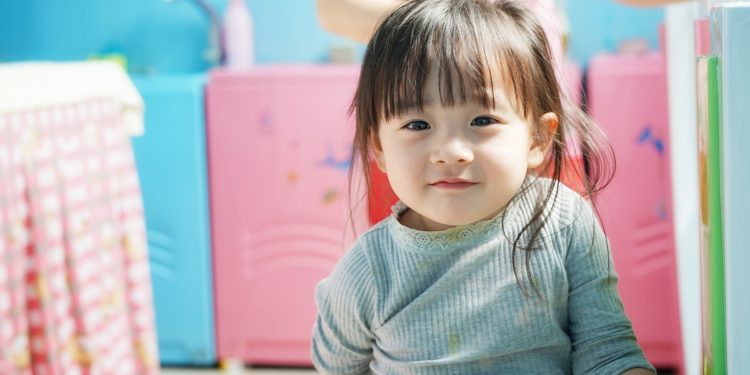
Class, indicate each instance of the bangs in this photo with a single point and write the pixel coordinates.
(472, 52)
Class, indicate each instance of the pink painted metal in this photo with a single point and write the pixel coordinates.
(279, 147)
(628, 99)
(702, 37)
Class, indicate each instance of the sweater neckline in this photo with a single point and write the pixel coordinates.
(504, 226)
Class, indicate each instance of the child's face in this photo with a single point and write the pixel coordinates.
(461, 164)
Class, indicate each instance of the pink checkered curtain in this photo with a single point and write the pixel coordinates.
(75, 288)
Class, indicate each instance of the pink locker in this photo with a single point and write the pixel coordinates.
(279, 145)
(628, 99)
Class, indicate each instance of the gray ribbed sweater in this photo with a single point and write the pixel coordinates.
(403, 301)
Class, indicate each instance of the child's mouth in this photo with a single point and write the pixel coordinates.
(453, 184)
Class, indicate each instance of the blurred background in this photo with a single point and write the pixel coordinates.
(234, 179)
(172, 36)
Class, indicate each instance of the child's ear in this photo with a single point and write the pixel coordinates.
(377, 150)
(547, 127)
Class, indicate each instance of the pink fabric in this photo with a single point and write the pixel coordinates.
(75, 291)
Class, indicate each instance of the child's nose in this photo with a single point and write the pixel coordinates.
(453, 151)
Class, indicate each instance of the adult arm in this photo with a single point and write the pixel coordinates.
(355, 19)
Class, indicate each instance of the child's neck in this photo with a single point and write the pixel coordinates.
(413, 220)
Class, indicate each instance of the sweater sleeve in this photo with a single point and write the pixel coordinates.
(601, 335)
(342, 337)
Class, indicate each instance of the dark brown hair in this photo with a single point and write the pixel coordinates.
(468, 40)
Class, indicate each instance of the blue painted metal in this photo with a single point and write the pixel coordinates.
(171, 161)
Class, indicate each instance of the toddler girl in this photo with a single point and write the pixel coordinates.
(485, 266)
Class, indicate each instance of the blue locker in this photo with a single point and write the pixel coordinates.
(171, 161)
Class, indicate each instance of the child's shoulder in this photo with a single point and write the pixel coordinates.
(356, 265)
(379, 232)
(565, 206)
(376, 233)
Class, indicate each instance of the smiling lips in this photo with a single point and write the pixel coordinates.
(453, 184)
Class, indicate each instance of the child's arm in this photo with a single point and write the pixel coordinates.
(601, 335)
(342, 337)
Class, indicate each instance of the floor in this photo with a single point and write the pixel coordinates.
(236, 371)
(270, 371)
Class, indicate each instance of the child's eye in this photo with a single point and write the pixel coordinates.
(417, 125)
(483, 121)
